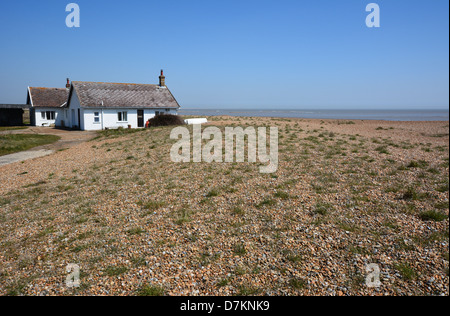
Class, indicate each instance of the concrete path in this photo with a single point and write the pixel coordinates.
(24, 155)
(68, 139)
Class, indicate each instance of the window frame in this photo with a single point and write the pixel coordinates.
(50, 115)
(122, 116)
(96, 117)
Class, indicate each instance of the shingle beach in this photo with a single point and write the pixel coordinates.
(347, 194)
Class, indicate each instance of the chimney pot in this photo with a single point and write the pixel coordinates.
(162, 79)
(68, 84)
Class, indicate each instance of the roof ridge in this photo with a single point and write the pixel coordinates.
(118, 83)
(47, 88)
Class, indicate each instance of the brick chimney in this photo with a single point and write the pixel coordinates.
(68, 84)
(162, 80)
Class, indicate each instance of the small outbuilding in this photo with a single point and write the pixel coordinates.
(12, 114)
(47, 105)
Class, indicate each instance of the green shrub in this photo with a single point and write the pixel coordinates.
(166, 120)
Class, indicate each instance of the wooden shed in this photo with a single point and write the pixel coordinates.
(12, 114)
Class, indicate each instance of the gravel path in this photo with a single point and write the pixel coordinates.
(347, 194)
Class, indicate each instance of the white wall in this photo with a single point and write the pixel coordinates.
(108, 118)
(72, 112)
(39, 121)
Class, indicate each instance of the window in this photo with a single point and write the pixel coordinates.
(43, 115)
(96, 117)
(122, 116)
(50, 115)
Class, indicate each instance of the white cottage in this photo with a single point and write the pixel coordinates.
(99, 105)
(47, 105)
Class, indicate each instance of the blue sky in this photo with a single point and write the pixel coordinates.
(236, 53)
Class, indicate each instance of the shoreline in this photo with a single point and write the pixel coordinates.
(378, 115)
(323, 119)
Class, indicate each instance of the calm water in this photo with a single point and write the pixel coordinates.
(385, 115)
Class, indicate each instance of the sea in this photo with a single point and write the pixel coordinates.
(382, 115)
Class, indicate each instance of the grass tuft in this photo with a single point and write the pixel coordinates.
(433, 216)
(151, 290)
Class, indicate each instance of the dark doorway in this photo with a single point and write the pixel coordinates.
(140, 116)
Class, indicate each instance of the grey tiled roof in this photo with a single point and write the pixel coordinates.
(123, 95)
(49, 97)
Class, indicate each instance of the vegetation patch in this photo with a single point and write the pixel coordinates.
(115, 270)
(14, 143)
(118, 132)
(433, 216)
(412, 195)
(322, 208)
(151, 290)
(239, 249)
(12, 128)
(297, 284)
(406, 271)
